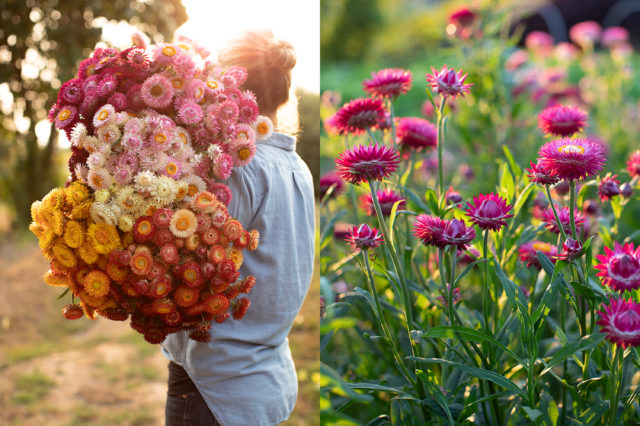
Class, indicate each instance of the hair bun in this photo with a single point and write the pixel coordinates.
(281, 55)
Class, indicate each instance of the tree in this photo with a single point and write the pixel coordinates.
(41, 44)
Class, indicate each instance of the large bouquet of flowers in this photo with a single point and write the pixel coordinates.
(141, 229)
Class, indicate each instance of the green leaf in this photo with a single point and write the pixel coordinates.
(507, 184)
(436, 393)
(514, 294)
(467, 269)
(585, 343)
(515, 168)
(377, 387)
(340, 323)
(522, 198)
(413, 197)
(332, 381)
(532, 413)
(392, 219)
(616, 207)
(432, 201)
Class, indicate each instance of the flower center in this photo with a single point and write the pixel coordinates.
(244, 153)
(144, 227)
(183, 138)
(262, 128)
(625, 266)
(156, 91)
(177, 83)
(212, 84)
(571, 149)
(190, 275)
(455, 229)
(543, 247)
(168, 51)
(64, 114)
(193, 190)
(103, 115)
(160, 138)
(489, 209)
(182, 224)
(628, 321)
(172, 168)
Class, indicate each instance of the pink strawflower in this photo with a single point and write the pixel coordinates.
(239, 74)
(195, 89)
(358, 115)
(539, 42)
(386, 197)
(541, 176)
(227, 111)
(585, 33)
(447, 82)
(247, 111)
(633, 164)
(364, 238)
(489, 211)
(190, 112)
(416, 133)
(157, 91)
(620, 319)
(528, 253)
(620, 268)
(138, 60)
(107, 85)
(609, 187)
(457, 234)
(388, 83)
(243, 148)
(562, 120)
(223, 166)
(571, 249)
(363, 163)
(462, 20)
(452, 196)
(221, 191)
(429, 230)
(572, 159)
(328, 180)
(565, 219)
(66, 117)
(71, 92)
(614, 35)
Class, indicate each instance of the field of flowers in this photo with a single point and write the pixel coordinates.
(479, 235)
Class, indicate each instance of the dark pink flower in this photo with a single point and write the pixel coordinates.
(138, 60)
(620, 319)
(539, 41)
(358, 115)
(452, 196)
(585, 33)
(528, 253)
(429, 230)
(609, 187)
(328, 180)
(462, 17)
(562, 120)
(386, 197)
(364, 238)
(447, 82)
(455, 297)
(614, 35)
(416, 133)
(388, 83)
(620, 268)
(457, 234)
(564, 217)
(489, 211)
(571, 249)
(221, 191)
(363, 163)
(572, 159)
(633, 164)
(626, 190)
(71, 92)
(543, 177)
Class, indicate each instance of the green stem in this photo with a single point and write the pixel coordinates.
(393, 125)
(572, 208)
(555, 213)
(485, 281)
(441, 146)
(618, 357)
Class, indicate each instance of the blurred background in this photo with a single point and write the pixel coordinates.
(54, 371)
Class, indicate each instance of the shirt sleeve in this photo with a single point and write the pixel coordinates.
(241, 206)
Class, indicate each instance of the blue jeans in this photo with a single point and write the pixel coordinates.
(185, 406)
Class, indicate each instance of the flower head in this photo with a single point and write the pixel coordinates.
(386, 197)
(362, 163)
(633, 164)
(429, 230)
(571, 249)
(447, 82)
(541, 176)
(528, 253)
(183, 223)
(609, 187)
(571, 159)
(263, 127)
(562, 120)
(457, 234)
(388, 83)
(66, 117)
(328, 180)
(157, 91)
(416, 133)
(620, 268)
(489, 211)
(565, 219)
(620, 319)
(363, 237)
(585, 33)
(358, 115)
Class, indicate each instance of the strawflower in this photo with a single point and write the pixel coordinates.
(571, 159)
(386, 197)
(633, 164)
(358, 116)
(562, 120)
(619, 268)
(429, 230)
(447, 82)
(456, 234)
(388, 83)
(364, 163)
(564, 217)
(541, 176)
(528, 253)
(416, 133)
(489, 211)
(364, 238)
(328, 180)
(620, 319)
(609, 187)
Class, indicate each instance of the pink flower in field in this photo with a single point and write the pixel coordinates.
(516, 60)
(561, 120)
(489, 211)
(455, 297)
(565, 51)
(447, 82)
(609, 187)
(620, 268)
(452, 196)
(388, 83)
(427, 109)
(620, 319)
(328, 180)
(565, 219)
(539, 42)
(358, 115)
(571, 249)
(363, 163)
(541, 176)
(528, 253)
(585, 33)
(457, 234)
(416, 133)
(614, 35)
(386, 197)
(572, 159)
(633, 164)
(364, 238)
(429, 230)
(157, 91)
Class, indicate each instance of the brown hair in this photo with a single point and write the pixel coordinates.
(268, 61)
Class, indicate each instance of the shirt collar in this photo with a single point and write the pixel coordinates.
(280, 140)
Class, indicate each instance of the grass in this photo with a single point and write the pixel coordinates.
(31, 388)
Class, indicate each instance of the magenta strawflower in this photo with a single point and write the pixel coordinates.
(528, 253)
(66, 117)
(571, 249)
(541, 176)
(614, 36)
(416, 133)
(190, 112)
(489, 211)
(388, 83)
(539, 41)
(620, 319)
(565, 219)
(429, 230)
(328, 180)
(447, 82)
(620, 268)
(562, 120)
(71, 92)
(571, 159)
(358, 115)
(363, 237)
(585, 33)
(157, 91)
(457, 234)
(633, 164)
(609, 187)
(386, 197)
(138, 60)
(363, 163)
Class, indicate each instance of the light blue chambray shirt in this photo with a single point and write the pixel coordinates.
(246, 373)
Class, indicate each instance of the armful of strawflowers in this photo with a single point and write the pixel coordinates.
(141, 230)
(409, 248)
